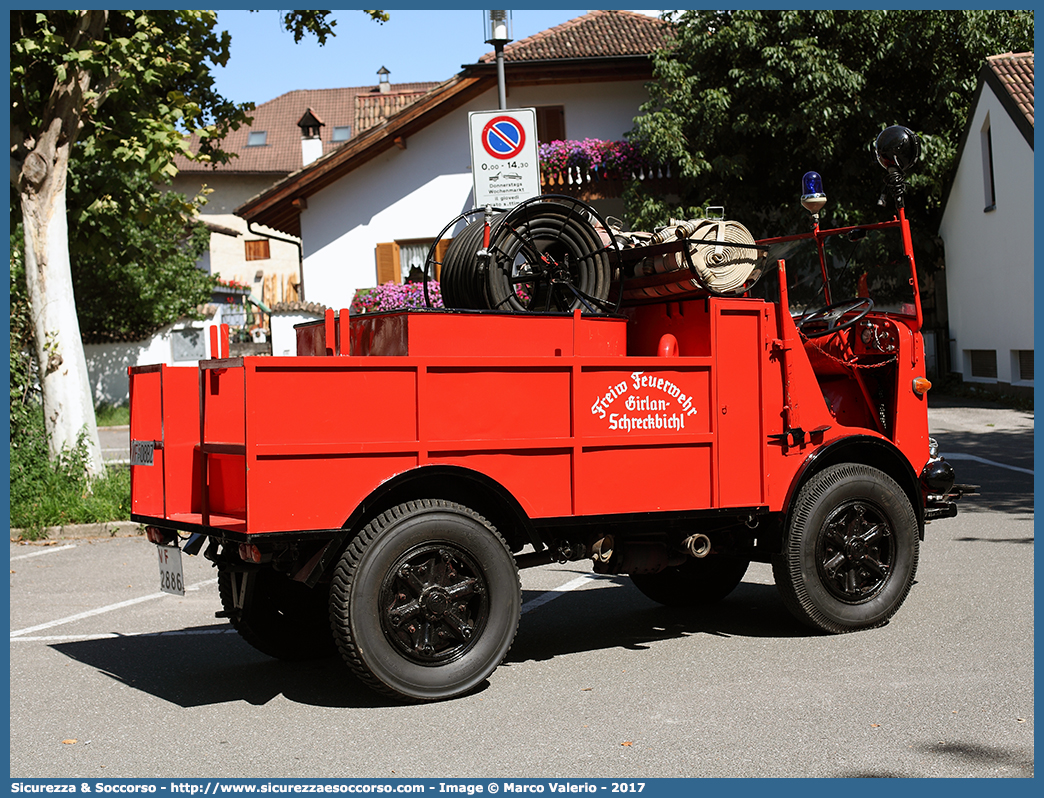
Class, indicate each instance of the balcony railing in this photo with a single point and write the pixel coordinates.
(595, 169)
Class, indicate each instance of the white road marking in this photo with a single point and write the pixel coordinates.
(48, 550)
(551, 595)
(102, 610)
(983, 460)
(112, 635)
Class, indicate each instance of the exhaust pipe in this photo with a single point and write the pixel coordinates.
(602, 550)
(698, 545)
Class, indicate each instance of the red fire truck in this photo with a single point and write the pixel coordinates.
(589, 396)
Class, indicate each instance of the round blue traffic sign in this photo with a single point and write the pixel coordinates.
(503, 137)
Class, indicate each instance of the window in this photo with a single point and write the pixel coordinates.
(342, 133)
(396, 259)
(989, 189)
(257, 249)
(1025, 362)
(257, 138)
(983, 363)
(550, 123)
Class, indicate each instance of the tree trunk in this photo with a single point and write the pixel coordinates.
(65, 382)
(40, 179)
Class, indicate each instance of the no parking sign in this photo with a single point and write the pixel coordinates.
(504, 159)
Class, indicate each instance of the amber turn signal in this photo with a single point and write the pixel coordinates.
(921, 386)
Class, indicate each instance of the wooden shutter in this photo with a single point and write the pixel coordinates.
(550, 123)
(388, 264)
(440, 255)
(257, 250)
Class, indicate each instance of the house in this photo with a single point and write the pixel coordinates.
(369, 210)
(987, 230)
(286, 134)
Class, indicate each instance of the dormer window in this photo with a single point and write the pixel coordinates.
(257, 138)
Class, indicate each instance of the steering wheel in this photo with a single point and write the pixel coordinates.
(831, 315)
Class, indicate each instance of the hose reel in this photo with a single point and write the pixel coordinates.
(549, 254)
(720, 255)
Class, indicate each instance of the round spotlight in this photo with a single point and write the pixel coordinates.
(897, 147)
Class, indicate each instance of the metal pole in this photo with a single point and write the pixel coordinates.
(501, 82)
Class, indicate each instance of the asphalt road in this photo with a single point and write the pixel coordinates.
(110, 680)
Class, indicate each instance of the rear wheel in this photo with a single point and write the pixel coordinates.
(425, 601)
(694, 583)
(277, 616)
(851, 551)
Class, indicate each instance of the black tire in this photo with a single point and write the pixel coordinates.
(695, 583)
(425, 601)
(281, 618)
(850, 554)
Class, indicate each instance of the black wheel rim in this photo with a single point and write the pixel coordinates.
(855, 553)
(434, 603)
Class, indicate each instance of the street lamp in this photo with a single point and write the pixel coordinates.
(497, 26)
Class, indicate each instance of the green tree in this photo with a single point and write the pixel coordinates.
(746, 101)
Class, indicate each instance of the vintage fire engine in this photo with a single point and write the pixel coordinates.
(670, 407)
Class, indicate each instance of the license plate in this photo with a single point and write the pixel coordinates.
(172, 580)
(141, 453)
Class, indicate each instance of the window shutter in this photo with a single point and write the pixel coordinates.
(550, 123)
(388, 263)
(257, 250)
(440, 255)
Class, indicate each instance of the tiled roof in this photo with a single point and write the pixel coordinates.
(1015, 72)
(372, 108)
(281, 152)
(596, 34)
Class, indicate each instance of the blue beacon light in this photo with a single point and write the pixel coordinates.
(812, 197)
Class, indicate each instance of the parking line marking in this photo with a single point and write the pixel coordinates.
(983, 460)
(113, 635)
(551, 595)
(44, 551)
(101, 610)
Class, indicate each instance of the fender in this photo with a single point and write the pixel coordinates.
(879, 453)
(470, 488)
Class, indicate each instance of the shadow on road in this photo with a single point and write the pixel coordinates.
(1000, 489)
(205, 665)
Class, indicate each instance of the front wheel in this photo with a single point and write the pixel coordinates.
(425, 601)
(851, 550)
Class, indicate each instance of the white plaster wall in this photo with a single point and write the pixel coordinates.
(414, 193)
(989, 256)
(107, 364)
(284, 337)
(228, 253)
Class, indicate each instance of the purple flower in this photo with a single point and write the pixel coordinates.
(395, 296)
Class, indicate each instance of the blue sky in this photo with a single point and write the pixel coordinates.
(415, 45)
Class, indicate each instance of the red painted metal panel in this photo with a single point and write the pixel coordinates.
(645, 479)
(491, 404)
(164, 410)
(738, 408)
(540, 479)
(315, 492)
(296, 403)
(645, 397)
(146, 424)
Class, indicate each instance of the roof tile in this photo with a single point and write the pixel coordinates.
(596, 34)
(1015, 71)
(281, 152)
